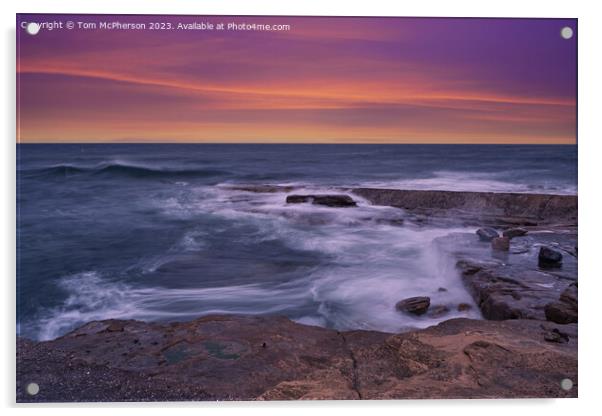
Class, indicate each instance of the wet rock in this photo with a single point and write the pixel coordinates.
(463, 307)
(569, 295)
(496, 208)
(222, 358)
(472, 208)
(487, 234)
(506, 292)
(298, 199)
(565, 309)
(500, 244)
(514, 232)
(549, 257)
(416, 305)
(513, 287)
(337, 201)
(561, 313)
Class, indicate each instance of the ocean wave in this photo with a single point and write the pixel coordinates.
(94, 296)
(116, 168)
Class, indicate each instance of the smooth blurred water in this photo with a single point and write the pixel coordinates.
(153, 232)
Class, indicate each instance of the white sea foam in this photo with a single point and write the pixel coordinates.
(93, 296)
(369, 266)
(471, 181)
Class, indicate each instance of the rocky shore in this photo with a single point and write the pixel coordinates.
(273, 358)
(520, 267)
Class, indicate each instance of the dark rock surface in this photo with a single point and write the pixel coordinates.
(501, 210)
(340, 201)
(561, 313)
(487, 207)
(515, 232)
(565, 309)
(273, 358)
(416, 305)
(549, 257)
(487, 233)
(511, 285)
(569, 295)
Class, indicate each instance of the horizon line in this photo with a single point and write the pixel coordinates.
(298, 143)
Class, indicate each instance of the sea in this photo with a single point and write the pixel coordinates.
(159, 232)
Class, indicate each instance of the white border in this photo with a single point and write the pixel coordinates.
(590, 137)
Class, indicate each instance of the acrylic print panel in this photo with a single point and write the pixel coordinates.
(284, 208)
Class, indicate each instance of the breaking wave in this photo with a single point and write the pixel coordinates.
(121, 169)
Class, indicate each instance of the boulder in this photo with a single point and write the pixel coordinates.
(569, 295)
(514, 232)
(416, 305)
(487, 234)
(500, 244)
(565, 310)
(549, 257)
(561, 313)
(298, 199)
(335, 200)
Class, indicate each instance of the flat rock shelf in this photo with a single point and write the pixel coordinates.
(272, 358)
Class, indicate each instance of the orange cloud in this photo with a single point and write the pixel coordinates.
(330, 80)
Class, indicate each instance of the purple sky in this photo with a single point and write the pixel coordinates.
(374, 80)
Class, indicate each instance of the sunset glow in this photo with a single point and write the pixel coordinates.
(335, 80)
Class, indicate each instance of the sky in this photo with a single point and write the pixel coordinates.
(325, 80)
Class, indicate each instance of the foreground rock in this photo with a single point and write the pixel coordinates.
(326, 200)
(549, 257)
(417, 305)
(273, 358)
(565, 310)
(487, 234)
